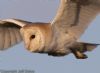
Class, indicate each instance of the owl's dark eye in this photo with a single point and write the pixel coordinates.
(32, 37)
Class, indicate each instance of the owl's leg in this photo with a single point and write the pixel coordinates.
(78, 54)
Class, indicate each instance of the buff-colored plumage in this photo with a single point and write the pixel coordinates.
(57, 38)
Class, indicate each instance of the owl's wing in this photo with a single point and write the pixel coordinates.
(74, 17)
(10, 32)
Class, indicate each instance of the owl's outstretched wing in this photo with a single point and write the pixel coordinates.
(10, 32)
(74, 16)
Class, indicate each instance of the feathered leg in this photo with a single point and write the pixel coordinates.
(78, 54)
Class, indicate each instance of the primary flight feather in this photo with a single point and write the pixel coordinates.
(57, 38)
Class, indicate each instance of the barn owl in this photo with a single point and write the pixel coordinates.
(58, 37)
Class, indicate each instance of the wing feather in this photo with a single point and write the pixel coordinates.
(65, 15)
(10, 32)
(75, 17)
(13, 37)
(7, 38)
(87, 14)
(18, 36)
(2, 38)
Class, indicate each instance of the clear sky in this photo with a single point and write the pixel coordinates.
(18, 57)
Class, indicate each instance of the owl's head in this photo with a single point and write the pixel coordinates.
(36, 37)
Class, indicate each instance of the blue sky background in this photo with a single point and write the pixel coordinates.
(18, 57)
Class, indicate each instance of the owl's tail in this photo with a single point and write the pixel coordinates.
(84, 47)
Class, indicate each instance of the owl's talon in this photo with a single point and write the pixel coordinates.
(78, 54)
(81, 56)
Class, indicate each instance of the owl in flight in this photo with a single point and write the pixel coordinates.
(57, 38)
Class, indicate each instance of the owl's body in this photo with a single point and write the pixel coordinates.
(58, 38)
(51, 42)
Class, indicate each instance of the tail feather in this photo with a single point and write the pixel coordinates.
(84, 47)
(90, 47)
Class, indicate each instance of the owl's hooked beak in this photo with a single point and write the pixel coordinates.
(27, 45)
